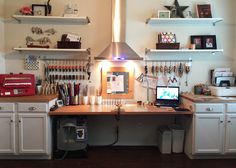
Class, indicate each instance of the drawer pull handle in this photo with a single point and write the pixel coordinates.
(221, 121)
(32, 108)
(209, 109)
(1, 108)
(229, 121)
(11, 121)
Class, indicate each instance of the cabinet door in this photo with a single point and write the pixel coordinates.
(230, 144)
(33, 133)
(208, 133)
(7, 133)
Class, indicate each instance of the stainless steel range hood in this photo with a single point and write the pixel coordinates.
(118, 50)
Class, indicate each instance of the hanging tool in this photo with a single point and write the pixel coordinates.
(170, 68)
(180, 70)
(165, 69)
(157, 69)
(88, 68)
(153, 69)
(187, 68)
(146, 68)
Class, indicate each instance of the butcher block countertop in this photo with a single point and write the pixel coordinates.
(25, 99)
(128, 109)
(208, 99)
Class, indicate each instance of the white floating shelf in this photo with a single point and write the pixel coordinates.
(25, 18)
(150, 51)
(212, 21)
(53, 50)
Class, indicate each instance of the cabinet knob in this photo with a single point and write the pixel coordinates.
(209, 109)
(221, 121)
(32, 108)
(19, 121)
(229, 121)
(11, 121)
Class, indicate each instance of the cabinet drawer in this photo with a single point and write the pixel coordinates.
(231, 108)
(209, 108)
(33, 107)
(7, 107)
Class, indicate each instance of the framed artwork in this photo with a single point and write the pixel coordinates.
(204, 10)
(209, 42)
(197, 40)
(163, 14)
(39, 10)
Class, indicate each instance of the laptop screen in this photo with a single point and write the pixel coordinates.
(167, 96)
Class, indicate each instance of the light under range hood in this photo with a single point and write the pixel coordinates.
(118, 50)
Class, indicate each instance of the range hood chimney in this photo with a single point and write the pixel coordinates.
(118, 50)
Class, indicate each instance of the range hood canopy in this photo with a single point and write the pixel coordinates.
(118, 50)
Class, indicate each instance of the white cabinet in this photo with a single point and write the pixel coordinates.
(208, 133)
(212, 130)
(230, 139)
(25, 129)
(33, 133)
(7, 133)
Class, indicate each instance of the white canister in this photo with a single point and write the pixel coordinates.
(99, 100)
(85, 100)
(92, 100)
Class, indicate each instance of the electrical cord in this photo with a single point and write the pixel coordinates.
(117, 117)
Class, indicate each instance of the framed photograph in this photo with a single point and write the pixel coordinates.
(163, 14)
(209, 42)
(204, 10)
(39, 10)
(198, 41)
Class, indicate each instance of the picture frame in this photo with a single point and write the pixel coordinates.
(209, 42)
(204, 10)
(163, 14)
(39, 10)
(198, 41)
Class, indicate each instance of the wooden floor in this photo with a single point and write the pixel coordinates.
(122, 157)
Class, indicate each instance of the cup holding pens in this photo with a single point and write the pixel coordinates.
(75, 100)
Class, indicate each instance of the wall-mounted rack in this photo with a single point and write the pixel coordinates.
(189, 60)
(62, 59)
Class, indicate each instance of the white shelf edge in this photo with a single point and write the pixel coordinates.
(183, 51)
(52, 49)
(183, 20)
(20, 18)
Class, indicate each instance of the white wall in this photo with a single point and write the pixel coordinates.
(139, 36)
(2, 59)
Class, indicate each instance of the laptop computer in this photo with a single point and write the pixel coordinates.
(168, 96)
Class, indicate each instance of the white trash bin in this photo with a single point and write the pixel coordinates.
(177, 138)
(164, 140)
